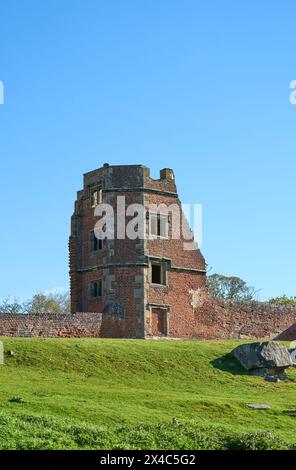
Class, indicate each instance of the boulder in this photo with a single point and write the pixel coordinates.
(272, 378)
(290, 412)
(258, 406)
(292, 353)
(269, 356)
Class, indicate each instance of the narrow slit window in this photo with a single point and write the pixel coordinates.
(95, 194)
(96, 289)
(95, 243)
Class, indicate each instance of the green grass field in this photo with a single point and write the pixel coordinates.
(136, 394)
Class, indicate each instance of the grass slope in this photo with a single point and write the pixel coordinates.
(96, 393)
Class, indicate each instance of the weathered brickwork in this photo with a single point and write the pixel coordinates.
(124, 266)
(177, 307)
(80, 325)
(142, 288)
(244, 320)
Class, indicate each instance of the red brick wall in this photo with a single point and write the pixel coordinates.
(243, 320)
(183, 319)
(80, 325)
(124, 266)
(170, 248)
(215, 320)
(182, 283)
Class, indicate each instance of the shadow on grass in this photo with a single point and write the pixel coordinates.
(228, 363)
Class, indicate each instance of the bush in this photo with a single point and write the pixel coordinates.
(283, 300)
(39, 304)
(230, 288)
(257, 441)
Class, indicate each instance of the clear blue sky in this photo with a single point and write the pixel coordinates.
(202, 87)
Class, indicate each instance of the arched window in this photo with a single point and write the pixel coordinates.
(96, 289)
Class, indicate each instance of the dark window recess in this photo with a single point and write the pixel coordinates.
(95, 243)
(96, 289)
(158, 274)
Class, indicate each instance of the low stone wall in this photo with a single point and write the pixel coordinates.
(215, 320)
(239, 319)
(80, 325)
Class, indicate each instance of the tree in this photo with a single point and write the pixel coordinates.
(39, 304)
(283, 300)
(230, 288)
(9, 305)
(48, 303)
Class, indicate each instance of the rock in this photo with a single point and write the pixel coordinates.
(258, 406)
(290, 412)
(272, 378)
(283, 376)
(271, 356)
(292, 353)
(260, 372)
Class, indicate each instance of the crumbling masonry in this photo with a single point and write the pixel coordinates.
(144, 287)
(150, 287)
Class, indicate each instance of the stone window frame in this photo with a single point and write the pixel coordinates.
(95, 244)
(158, 233)
(166, 309)
(99, 289)
(163, 273)
(95, 194)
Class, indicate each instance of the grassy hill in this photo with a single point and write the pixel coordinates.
(97, 393)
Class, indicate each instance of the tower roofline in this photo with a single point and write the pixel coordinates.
(164, 173)
(107, 165)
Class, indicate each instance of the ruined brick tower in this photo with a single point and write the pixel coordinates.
(150, 287)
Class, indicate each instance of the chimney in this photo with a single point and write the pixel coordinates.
(167, 174)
